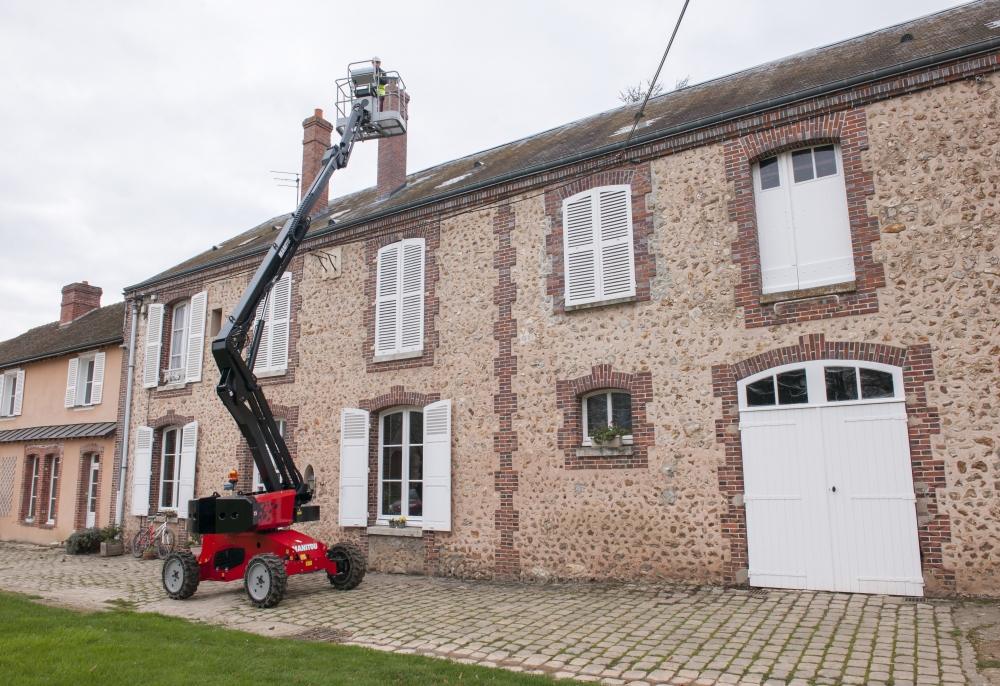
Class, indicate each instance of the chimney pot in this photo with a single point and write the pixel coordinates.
(77, 300)
(319, 113)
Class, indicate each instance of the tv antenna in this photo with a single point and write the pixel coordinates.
(295, 183)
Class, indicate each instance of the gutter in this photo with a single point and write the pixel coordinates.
(128, 416)
(805, 94)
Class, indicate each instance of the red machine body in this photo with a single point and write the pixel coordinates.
(302, 554)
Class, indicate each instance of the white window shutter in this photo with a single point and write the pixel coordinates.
(196, 337)
(280, 316)
(437, 466)
(262, 361)
(189, 460)
(353, 467)
(19, 392)
(71, 382)
(387, 290)
(617, 260)
(142, 464)
(97, 389)
(580, 249)
(154, 339)
(412, 317)
(775, 239)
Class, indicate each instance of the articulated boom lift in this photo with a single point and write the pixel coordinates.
(247, 536)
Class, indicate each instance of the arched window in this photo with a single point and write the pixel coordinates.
(821, 382)
(310, 476)
(608, 407)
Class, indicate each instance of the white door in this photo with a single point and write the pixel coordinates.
(95, 473)
(828, 483)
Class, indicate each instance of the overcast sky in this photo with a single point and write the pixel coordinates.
(136, 135)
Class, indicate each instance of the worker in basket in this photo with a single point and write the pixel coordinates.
(377, 88)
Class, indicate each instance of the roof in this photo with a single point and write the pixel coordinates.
(45, 433)
(97, 328)
(936, 38)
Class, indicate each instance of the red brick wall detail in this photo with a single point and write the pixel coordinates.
(569, 399)
(849, 129)
(928, 473)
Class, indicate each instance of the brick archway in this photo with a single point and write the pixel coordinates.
(934, 528)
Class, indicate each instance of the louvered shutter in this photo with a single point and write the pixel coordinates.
(97, 388)
(154, 339)
(617, 263)
(280, 314)
(196, 337)
(387, 300)
(261, 363)
(437, 466)
(353, 467)
(774, 232)
(142, 464)
(189, 460)
(19, 392)
(580, 249)
(74, 365)
(412, 317)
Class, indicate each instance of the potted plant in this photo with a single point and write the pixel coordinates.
(167, 515)
(149, 553)
(609, 435)
(397, 523)
(112, 544)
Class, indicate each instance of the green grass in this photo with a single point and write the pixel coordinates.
(48, 645)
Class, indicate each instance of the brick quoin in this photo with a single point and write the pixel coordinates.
(507, 559)
(569, 399)
(396, 397)
(639, 178)
(849, 129)
(923, 422)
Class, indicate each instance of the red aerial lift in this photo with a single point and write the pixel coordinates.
(247, 535)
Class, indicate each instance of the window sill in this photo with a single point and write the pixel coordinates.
(171, 386)
(413, 354)
(599, 303)
(603, 451)
(271, 373)
(83, 408)
(409, 532)
(807, 293)
(8, 419)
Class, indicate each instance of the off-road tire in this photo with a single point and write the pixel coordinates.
(269, 589)
(350, 565)
(180, 575)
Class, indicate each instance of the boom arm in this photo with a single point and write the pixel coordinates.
(238, 387)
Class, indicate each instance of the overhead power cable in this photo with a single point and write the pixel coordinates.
(649, 91)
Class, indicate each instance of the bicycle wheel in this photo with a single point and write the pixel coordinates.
(165, 544)
(140, 542)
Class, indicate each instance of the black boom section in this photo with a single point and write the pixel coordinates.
(238, 387)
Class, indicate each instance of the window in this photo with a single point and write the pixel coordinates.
(789, 388)
(179, 337)
(11, 392)
(607, 408)
(170, 467)
(399, 299)
(842, 384)
(272, 355)
(186, 339)
(85, 380)
(597, 245)
(802, 220)
(822, 382)
(258, 484)
(401, 463)
(53, 490)
(33, 497)
(95, 480)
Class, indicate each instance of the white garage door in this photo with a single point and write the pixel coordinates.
(827, 479)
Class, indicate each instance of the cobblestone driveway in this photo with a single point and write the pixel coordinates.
(614, 634)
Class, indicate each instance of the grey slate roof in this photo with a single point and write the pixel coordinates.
(809, 73)
(100, 327)
(45, 433)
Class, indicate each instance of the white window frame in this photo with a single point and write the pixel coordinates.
(258, 484)
(785, 238)
(587, 441)
(179, 370)
(94, 482)
(53, 490)
(176, 476)
(83, 364)
(816, 384)
(36, 463)
(9, 391)
(411, 520)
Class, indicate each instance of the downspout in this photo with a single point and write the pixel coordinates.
(128, 413)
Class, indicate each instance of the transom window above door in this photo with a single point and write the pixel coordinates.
(821, 382)
(803, 226)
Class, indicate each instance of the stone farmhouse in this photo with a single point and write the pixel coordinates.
(784, 294)
(59, 411)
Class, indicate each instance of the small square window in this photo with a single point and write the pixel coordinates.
(769, 177)
(841, 384)
(761, 393)
(792, 389)
(802, 165)
(826, 161)
(876, 384)
(607, 408)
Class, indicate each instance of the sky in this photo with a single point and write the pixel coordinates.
(134, 136)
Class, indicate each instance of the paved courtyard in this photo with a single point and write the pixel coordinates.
(614, 634)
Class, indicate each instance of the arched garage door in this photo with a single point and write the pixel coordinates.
(828, 483)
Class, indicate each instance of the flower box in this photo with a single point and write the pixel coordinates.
(112, 548)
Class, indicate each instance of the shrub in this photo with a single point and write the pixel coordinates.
(606, 434)
(84, 541)
(112, 532)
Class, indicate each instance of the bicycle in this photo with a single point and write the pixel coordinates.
(163, 537)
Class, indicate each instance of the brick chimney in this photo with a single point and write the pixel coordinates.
(77, 300)
(392, 155)
(315, 141)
